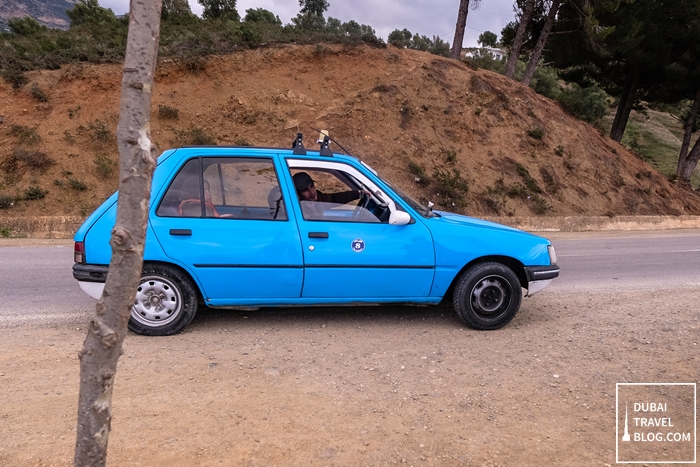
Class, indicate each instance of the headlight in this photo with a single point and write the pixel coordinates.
(552, 255)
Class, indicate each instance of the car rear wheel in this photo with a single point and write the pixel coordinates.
(165, 302)
(487, 296)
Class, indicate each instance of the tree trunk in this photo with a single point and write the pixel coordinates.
(108, 327)
(690, 163)
(544, 35)
(625, 106)
(459, 29)
(690, 124)
(519, 38)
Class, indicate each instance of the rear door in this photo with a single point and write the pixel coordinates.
(223, 218)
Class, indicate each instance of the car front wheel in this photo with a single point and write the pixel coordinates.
(487, 296)
(165, 302)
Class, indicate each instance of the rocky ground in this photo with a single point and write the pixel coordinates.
(358, 386)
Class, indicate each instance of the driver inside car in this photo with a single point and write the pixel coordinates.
(306, 189)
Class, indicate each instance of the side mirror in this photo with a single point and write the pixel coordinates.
(399, 218)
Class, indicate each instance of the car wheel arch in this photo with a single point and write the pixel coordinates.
(200, 296)
(513, 264)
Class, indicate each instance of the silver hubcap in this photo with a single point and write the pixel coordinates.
(489, 296)
(157, 303)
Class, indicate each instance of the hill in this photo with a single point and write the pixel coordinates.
(471, 141)
(51, 13)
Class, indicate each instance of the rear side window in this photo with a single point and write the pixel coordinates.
(238, 188)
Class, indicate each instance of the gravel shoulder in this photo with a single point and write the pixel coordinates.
(358, 386)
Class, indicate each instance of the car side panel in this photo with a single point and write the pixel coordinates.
(99, 251)
(456, 246)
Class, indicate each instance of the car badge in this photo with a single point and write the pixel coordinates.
(357, 245)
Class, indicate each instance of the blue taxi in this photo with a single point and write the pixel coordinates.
(250, 227)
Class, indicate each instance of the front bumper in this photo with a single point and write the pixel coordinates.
(91, 278)
(539, 277)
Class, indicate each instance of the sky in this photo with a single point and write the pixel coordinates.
(425, 17)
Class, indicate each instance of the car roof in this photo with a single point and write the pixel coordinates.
(257, 150)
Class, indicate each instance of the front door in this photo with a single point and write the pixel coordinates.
(351, 252)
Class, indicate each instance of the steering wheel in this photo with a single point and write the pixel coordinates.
(362, 205)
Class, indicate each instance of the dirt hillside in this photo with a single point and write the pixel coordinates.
(469, 140)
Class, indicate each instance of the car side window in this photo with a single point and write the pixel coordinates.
(333, 195)
(244, 188)
(238, 188)
(184, 187)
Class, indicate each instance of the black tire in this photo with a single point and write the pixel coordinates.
(165, 303)
(487, 296)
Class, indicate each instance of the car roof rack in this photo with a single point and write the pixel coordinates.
(325, 150)
(298, 145)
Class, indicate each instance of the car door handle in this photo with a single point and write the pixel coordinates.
(318, 234)
(180, 232)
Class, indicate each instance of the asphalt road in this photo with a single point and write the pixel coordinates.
(36, 283)
(609, 261)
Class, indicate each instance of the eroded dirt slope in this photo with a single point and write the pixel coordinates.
(470, 141)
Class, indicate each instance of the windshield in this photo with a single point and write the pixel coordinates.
(420, 209)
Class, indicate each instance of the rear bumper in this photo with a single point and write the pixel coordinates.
(91, 278)
(539, 277)
(90, 272)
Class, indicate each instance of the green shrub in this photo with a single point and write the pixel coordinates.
(6, 201)
(25, 26)
(100, 130)
(105, 166)
(25, 134)
(34, 193)
(483, 58)
(545, 82)
(38, 94)
(588, 104)
(5, 231)
(416, 169)
(536, 133)
(16, 78)
(168, 113)
(539, 205)
(77, 185)
(451, 187)
(198, 137)
(530, 183)
(32, 158)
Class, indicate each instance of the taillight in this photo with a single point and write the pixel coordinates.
(79, 252)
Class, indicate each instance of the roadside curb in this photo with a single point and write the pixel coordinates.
(65, 226)
(598, 223)
(41, 227)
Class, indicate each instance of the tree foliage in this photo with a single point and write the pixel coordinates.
(310, 14)
(488, 39)
(89, 11)
(25, 26)
(261, 15)
(219, 9)
(175, 8)
(404, 39)
(313, 7)
(400, 38)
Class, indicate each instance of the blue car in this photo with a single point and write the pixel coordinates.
(242, 227)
